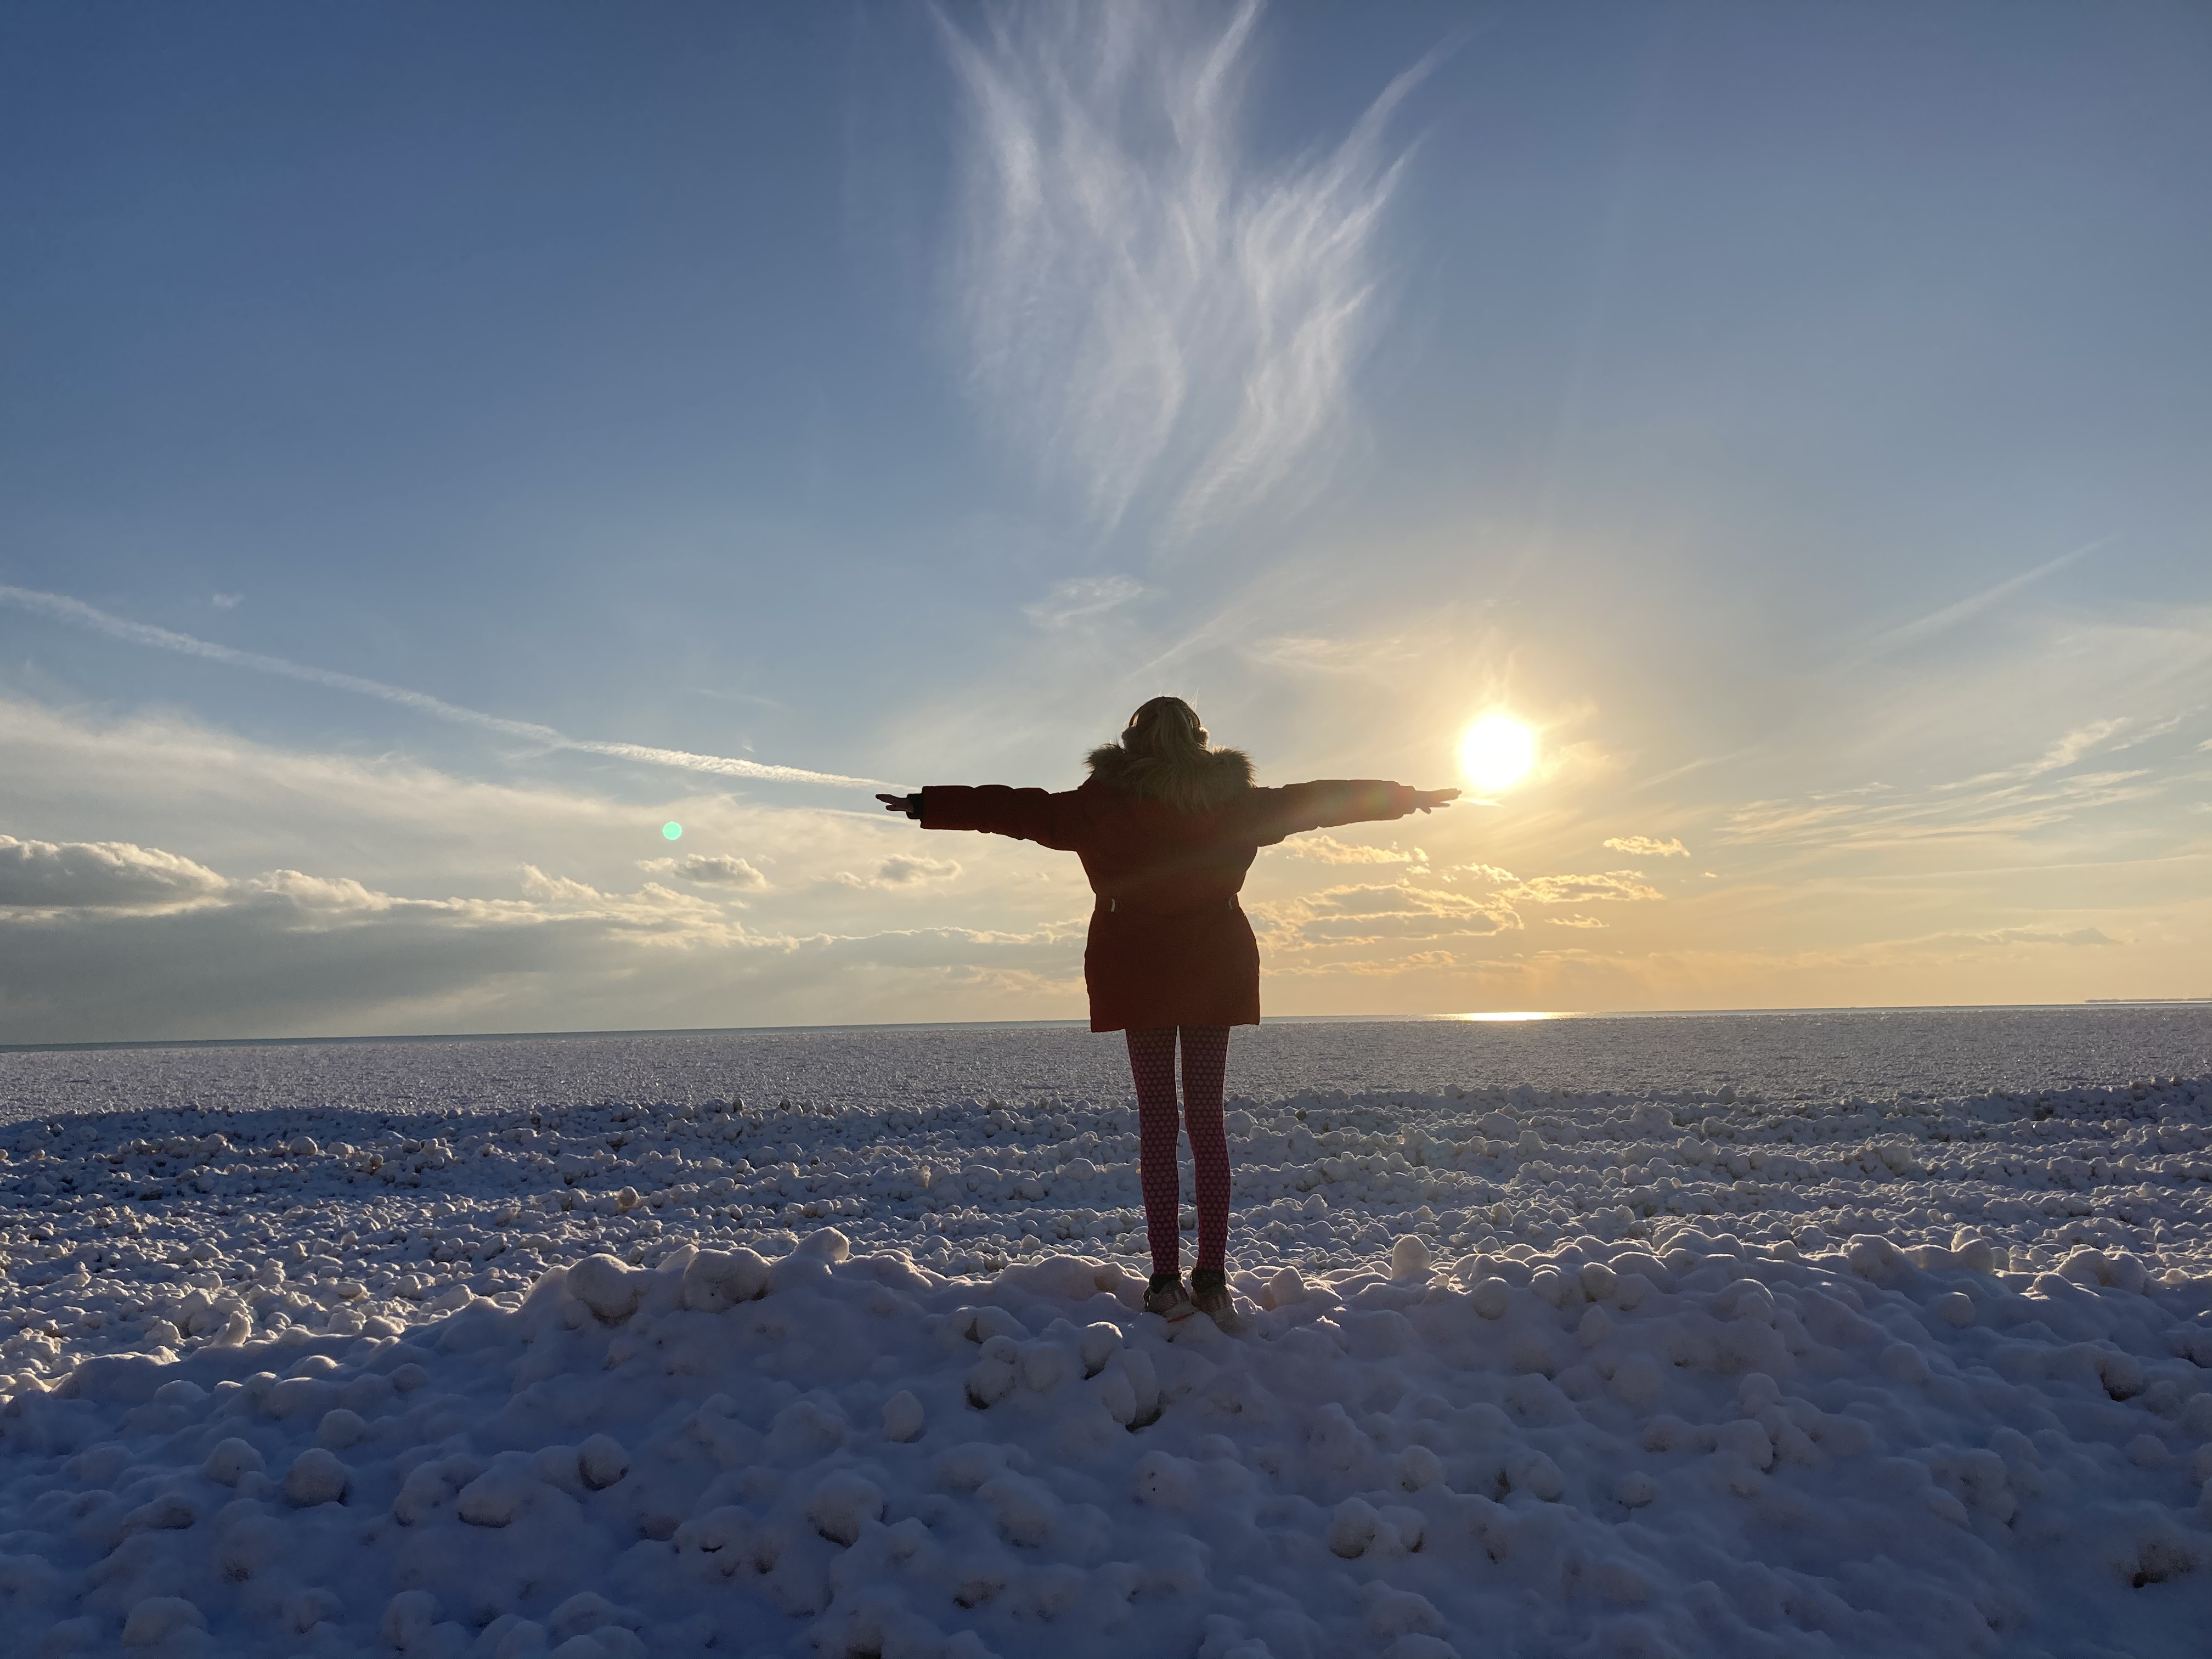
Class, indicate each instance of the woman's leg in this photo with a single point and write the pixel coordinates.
(1152, 1063)
(1204, 1065)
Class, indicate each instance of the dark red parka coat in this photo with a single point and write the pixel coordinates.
(1169, 945)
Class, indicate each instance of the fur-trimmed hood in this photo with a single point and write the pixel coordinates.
(1205, 781)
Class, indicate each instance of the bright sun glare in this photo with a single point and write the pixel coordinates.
(1497, 753)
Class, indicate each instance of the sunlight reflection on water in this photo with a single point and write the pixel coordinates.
(1506, 1016)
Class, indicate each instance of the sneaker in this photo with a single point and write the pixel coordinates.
(1166, 1297)
(1210, 1294)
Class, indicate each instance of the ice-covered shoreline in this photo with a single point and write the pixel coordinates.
(1530, 1371)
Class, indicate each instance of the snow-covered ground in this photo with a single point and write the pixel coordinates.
(1683, 1370)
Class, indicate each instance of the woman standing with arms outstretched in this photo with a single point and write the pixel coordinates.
(1166, 828)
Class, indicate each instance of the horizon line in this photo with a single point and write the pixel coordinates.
(1471, 1018)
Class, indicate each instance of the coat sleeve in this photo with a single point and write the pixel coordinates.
(1038, 815)
(1298, 806)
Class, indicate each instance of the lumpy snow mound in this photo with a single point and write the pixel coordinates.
(1522, 1374)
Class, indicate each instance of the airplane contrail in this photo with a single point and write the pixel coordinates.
(64, 608)
(1936, 621)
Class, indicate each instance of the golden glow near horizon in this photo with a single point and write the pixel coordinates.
(1497, 753)
(1506, 1017)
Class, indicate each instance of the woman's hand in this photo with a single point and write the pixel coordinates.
(1425, 799)
(894, 803)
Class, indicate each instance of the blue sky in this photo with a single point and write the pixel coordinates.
(1796, 414)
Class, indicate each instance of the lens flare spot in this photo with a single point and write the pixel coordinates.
(672, 830)
(1497, 753)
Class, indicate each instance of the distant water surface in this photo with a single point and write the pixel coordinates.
(1820, 1055)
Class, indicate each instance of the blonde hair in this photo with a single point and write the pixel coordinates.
(1163, 754)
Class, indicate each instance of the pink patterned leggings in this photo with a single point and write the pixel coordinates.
(1205, 1063)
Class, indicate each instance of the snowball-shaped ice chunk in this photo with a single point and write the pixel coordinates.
(1409, 1257)
(172, 1513)
(1117, 1395)
(1635, 1489)
(608, 1287)
(1025, 1508)
(408, 1618)
(2122, 1373)
(1902, 1363)
(843, 1504)
(1955, 1308)
(497, 1496)
(304, 1609)
(1043, 1367)
(1976, 1255)
(1419, 1467)
(1490, 1297)
(420, 1496)
(229, 1460)
(1353, 1527)
(1097, 1343)
(159, 1617)
(1554, 1286)
(2147, 1451)
(316, 1477)
(1746, 1298)
(340, 1428)
(716, 1279)
(1874, 1257)
(1401, 1612)
(588, 1612)
(982, 1324)
(1165, 1481)
(1537, 1475)
(727, 1532)
(990, 1381)
(903, 1417)
(602, 1461)
(825, 1244)
(511, 1637)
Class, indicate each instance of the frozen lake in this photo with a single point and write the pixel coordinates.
(1856, 1332)
(1812, 1057)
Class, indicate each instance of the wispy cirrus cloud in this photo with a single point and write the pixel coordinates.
(62, 608)
(1992, 805)
(1133, 290)
(1080, 597)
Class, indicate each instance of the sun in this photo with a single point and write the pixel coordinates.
(1497, 753)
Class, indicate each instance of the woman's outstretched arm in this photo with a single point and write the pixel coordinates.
(1036, 815)
(1328, 801)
